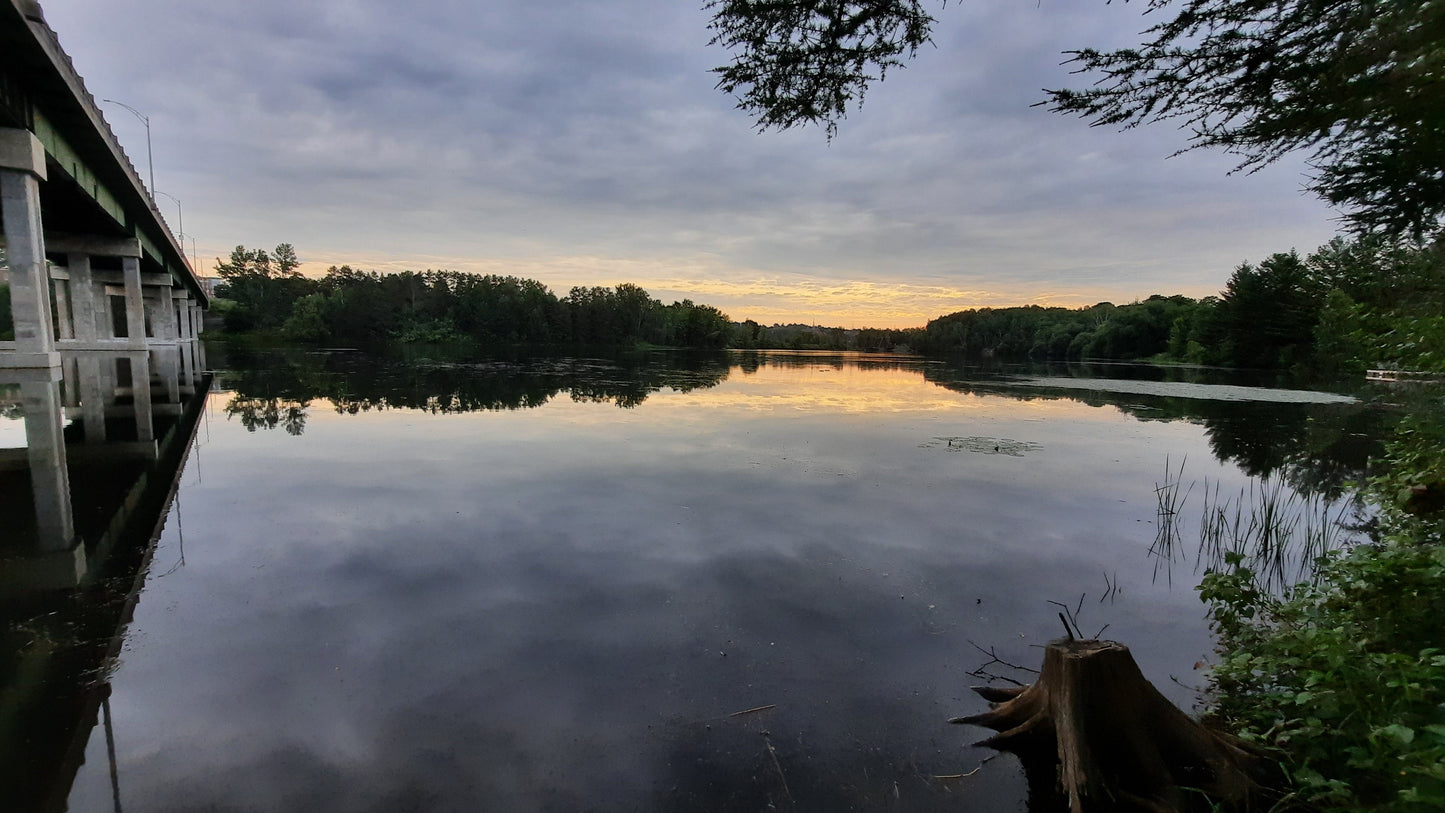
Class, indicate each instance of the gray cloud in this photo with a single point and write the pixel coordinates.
(568, 135)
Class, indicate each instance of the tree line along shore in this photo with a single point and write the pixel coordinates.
(1350, 305)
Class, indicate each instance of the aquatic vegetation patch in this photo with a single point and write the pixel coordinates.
(983, 445)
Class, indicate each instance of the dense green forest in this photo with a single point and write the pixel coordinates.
(1368, 301)
(1353, 303)
(264, 291)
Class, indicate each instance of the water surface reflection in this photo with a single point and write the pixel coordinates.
(485, 586)
(102, 439)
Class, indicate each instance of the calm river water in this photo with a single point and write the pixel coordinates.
(661, 582)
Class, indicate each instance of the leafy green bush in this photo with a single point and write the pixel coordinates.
(307, 322)
(428, 331)
(1343, 677)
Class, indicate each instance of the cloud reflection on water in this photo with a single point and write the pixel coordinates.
(560, 607)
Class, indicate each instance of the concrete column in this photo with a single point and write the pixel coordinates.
(92, 397)
(166, 359)
(167, 350)
(109, 378)
(188, 365)
(183, 315)
(105, 315)
(135, 317)
(70, 387)
(83, 295)
(189, 374)
(140, 385)
(49, 478)
(64, 324)
(163, 313)
(22, 168)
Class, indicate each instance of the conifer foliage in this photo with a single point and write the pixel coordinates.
(1357, 84)
(807, 61)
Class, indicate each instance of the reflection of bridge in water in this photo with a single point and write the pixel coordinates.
(83, 504)
(91, 426)
(101, 374)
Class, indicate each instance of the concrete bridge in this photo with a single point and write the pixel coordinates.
(92, 266)
(105, 372)
(105, 310)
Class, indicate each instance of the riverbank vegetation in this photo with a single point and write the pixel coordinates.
(1352, 304)
(1341, 678)
(1355, 303)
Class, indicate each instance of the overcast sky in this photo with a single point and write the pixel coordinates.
(583, 143)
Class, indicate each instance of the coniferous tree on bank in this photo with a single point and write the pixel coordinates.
(261, 287)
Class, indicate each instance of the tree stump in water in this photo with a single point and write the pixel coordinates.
(1112, 741)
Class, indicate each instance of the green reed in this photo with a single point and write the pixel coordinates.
(1277, 531)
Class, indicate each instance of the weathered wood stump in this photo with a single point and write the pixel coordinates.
(1111, 741)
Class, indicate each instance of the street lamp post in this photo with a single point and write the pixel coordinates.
(180, 218)
(150, 162)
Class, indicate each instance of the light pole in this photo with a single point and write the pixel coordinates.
(180, 219)
(150, 163)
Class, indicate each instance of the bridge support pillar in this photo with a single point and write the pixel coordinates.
(94, 380)
(49, 476)
(22, 168)
(140, 387)
(84, 309)
(164, 346)
(56, 558)
(40, 402)
(135, 314)
(186, 328)
(64, 322)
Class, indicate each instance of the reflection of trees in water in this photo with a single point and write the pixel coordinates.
(276, 389)
(752, 361)
(1321, 449)
(1317, 448)
(268, 413)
